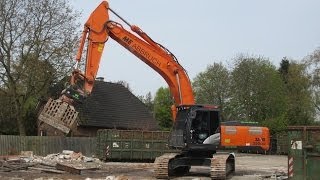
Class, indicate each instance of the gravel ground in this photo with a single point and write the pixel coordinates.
(248, 167)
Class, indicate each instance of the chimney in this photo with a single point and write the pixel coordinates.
(100, 79)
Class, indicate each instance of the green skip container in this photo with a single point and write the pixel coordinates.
(131, 145)
(304, 152)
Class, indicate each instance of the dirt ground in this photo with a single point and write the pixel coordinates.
(248, 166)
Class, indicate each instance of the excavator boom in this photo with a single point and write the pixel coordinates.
(99, 28)
(158, 59)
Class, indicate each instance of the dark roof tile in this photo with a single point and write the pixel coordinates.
(111, 105)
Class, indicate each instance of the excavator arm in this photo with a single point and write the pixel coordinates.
(95, 35)
(97, 31)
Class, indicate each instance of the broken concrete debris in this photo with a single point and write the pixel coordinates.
(67, 156)
(65, 162)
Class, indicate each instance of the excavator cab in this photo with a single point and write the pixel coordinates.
(193, 126)
(204, 123)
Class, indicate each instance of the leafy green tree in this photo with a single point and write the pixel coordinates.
(277, 124)
(37, 43)
(299, 98)
(213, 86)
(284, 69)
(7, 123)
(257, 92)
(162, 108)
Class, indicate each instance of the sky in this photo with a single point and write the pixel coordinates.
(200, 33)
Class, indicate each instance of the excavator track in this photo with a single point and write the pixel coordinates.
(161, 165)
(221, 167)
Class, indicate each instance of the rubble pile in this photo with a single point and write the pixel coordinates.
(65, 156)
(66, 161)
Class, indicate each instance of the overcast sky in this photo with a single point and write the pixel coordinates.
(202, 32)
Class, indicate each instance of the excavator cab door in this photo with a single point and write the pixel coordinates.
(177, 137)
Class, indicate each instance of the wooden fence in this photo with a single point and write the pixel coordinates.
(43, 145)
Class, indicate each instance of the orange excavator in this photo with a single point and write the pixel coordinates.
(197, 131)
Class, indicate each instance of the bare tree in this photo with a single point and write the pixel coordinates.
(37, 42)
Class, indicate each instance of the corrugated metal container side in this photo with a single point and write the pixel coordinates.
(304, 152)
(44, 145)
(132, 145)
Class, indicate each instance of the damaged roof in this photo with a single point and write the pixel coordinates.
(111, 105)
